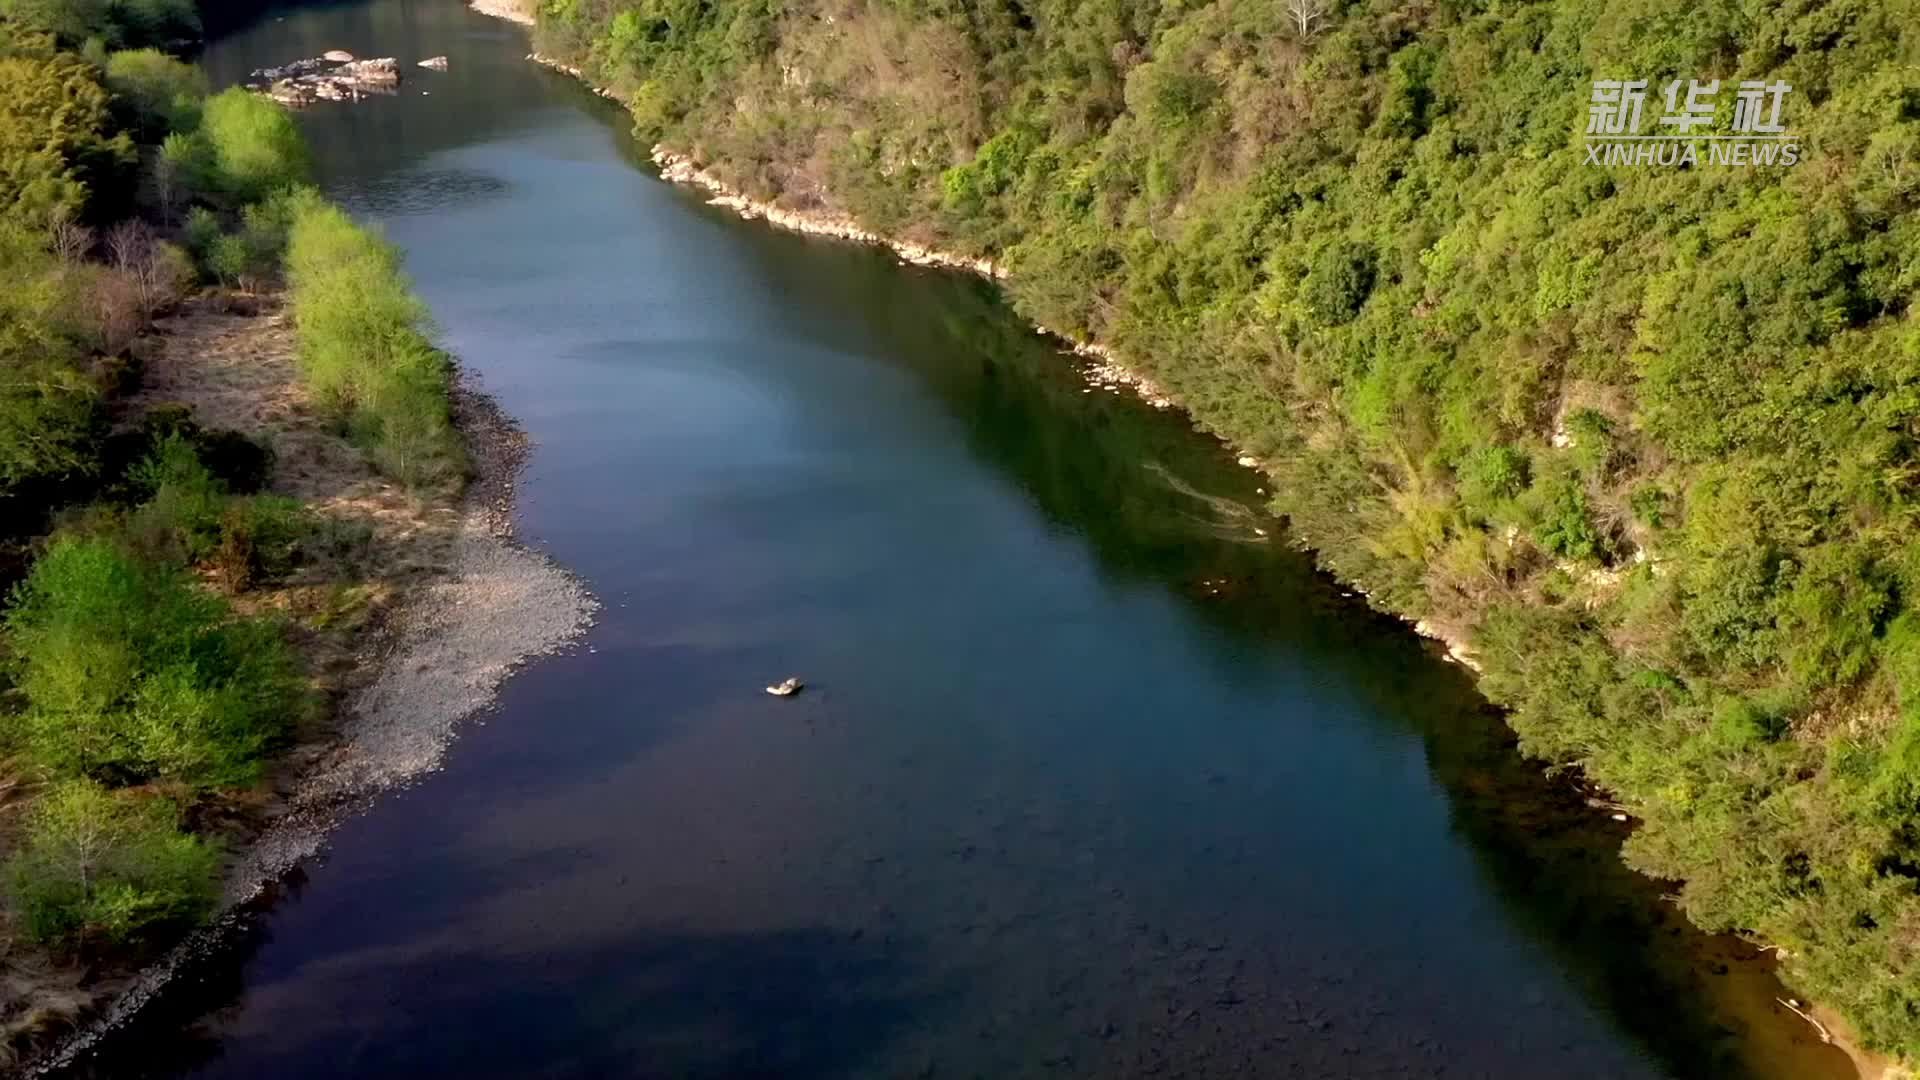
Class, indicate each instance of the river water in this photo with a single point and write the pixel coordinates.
(1090, 778)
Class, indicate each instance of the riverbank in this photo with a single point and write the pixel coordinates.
(427, 606)
(1105, 369)
(515, 11)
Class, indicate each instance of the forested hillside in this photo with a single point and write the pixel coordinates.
(1646, 435)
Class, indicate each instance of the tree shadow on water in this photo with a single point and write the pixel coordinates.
(799, 1003)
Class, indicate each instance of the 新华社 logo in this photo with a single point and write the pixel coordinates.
(1684, 132)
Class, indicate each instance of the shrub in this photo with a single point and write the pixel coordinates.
(130, 672)
(1831, 614)
(1651, 505)
(261, 537)
(180, 519)
(49, 407)
(992, 171)
(189, 516)
(1894, 788)
(1593, 442)
(226, 260)
(1728, 612)
(248, 147)
(183, 168)
(70, 20)
(1740, 723)
(236, 461)
(158, 93)
(159, 22)
(1340, 281)
(1901, 648)
(364, 348)
(247, 257)
(116, 22)
(1494, 475)
(95, 864)
(157, 271)
(59, 154)
(113, 304)
(1566, 521)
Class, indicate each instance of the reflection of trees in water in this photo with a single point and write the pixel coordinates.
(1155, 501)
(1556, 864)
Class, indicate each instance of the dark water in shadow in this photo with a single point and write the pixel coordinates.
(1090, 780)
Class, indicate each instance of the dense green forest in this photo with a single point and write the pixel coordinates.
(1648, 436)
(142, 691)
(127, 689)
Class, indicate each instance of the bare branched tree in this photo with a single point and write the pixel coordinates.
(118, 309)
(71, 240)
(129, 244)
(1307, 15)
(139, 256)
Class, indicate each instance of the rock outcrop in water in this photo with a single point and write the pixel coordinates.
(327, 78)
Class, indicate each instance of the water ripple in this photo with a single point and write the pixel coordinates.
(422, 191)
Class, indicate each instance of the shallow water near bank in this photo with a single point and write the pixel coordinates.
(1089, 779)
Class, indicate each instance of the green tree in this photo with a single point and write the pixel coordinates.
(48, 404)
(116, 22)
(251, 147)
(96, 865)
(364, 346)
(160, 94)
(131, 672)
(57, 146)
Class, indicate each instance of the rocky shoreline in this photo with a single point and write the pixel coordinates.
(452, 641)
(1107, 370)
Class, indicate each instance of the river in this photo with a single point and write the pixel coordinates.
(1093, 775)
